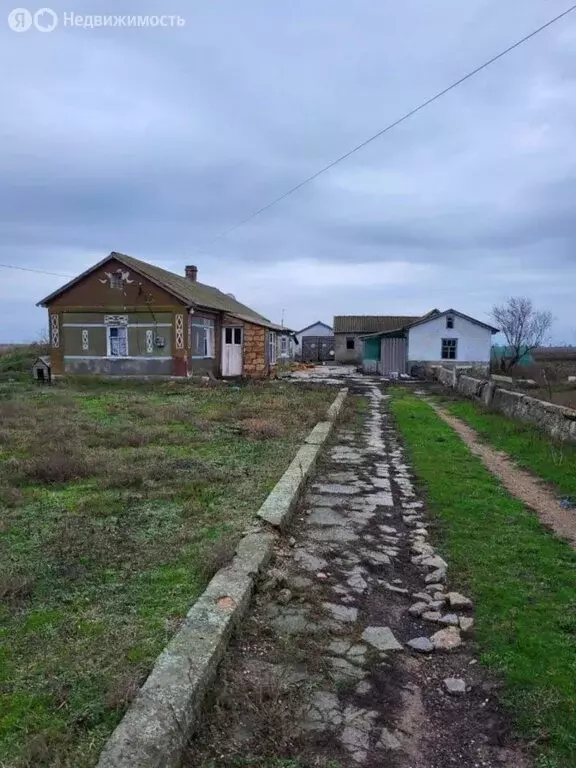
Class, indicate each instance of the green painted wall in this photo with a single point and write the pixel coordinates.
(133, 317)
(93, 323)
(372, 349)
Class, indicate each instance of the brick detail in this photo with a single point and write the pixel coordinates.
(255, 364)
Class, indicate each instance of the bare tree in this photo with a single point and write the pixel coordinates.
(524, 327)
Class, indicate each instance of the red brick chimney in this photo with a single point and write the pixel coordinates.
(192, 273)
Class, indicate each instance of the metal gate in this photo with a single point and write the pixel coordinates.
(394, 353)
(316, 349)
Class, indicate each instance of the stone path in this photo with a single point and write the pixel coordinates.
(357, 618)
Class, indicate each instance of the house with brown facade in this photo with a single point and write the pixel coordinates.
(126, 317)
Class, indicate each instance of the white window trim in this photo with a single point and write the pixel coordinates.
(109, 345)
(207, 325)
(272, 348)
(455, 347)
(284, 346)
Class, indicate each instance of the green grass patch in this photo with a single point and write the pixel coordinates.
(522, 578)
(554, 462)
(119, 501)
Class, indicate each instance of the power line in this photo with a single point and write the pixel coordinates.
(38, 271)
(389, 127)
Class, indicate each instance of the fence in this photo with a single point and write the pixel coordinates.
(557, 420)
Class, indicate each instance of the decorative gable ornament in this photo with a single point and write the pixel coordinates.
(116, 319)
(117, 279)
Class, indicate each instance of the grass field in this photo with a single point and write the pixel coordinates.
(521, 577)
(531, 449)
(118, 502)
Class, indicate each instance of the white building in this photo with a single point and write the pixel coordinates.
(449, 338)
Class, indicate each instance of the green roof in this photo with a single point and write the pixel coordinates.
(191, 292)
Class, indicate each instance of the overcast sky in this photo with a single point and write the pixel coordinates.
(153, 141)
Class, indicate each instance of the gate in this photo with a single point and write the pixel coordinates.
(316, 349)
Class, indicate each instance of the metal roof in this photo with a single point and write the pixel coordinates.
(371, 323)
(190, 292)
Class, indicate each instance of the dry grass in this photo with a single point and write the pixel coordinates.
(119, 502)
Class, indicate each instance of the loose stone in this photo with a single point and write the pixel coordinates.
(397, 590)
(422, 596)
(455, 686)
(431, 616)
(446, 639)
(341, 612)
(381, 638)
(418, 609)
(421, 644)
(450, 618)
(457, 600)
(466, 623)
(436, 576)
(388, 740)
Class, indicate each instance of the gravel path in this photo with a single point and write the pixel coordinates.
(358, 650)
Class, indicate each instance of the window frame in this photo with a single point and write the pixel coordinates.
(284, 346)
(350, 340)
(109, 329)
(449, 345)
(205, 350)
(272, 348)
(450, 322)
(116, 281)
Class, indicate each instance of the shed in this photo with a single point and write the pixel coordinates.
(42, 369)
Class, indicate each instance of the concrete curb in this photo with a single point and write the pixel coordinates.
(280, 503)
(154, 731)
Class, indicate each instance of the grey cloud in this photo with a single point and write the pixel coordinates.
(154, 141)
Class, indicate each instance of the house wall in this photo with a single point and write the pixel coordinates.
(83, 347)
(203, 365)
(425, 341)
(348, 356)
(148, 308)
(255, 352)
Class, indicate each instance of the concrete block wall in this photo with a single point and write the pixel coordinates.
(557, 420)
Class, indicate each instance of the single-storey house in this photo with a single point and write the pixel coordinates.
(349, 331)
(449, 338)
(315, 342)
(126, 317)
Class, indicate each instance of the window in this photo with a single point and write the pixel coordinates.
(449, 349)
(203, 338)
(272, 348)
(116, 281)
(237, 335)
(349, 343)
(449, 321)
(283, 346)
(117, 338)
